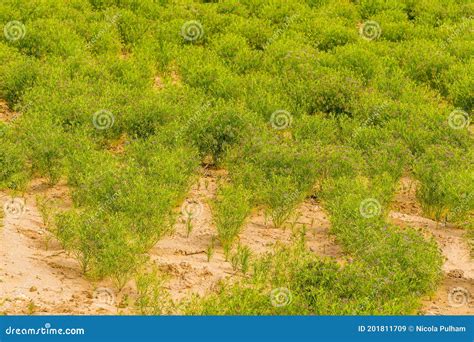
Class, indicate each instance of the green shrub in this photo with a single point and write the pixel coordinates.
(46, 146)
(14, 171)
(280, 197)
(215, 130)
(316, 128)
(152, 298)
(445, 192)
(422, 65)
(333, 91)
(51, 36)
(328, 33)
(79, 236)
(458, 83)
(241, 259)
(17, 73)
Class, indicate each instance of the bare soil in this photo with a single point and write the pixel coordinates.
(38, 277)
(6, 114)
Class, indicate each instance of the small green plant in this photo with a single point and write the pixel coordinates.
(152, 297)
(189, 224)
(210, 249)
(301, 233)
(111, 97)
(45, 208)
(240, 260)
(230, 209)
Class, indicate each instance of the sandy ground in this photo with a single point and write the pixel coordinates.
(37, 276)
(6, 114)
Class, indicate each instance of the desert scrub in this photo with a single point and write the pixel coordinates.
(77, 236)
(362, 111)
(422, 66)
(381, 150)
(111, 229)
(267, 158)
(280, 173)
(460, 196)
(358, 221)
(332, 91)
(316, 129)
(336, 161)
(91, 185)
(457, 82)
(18, 72)
(230, 210)
(121, 253)
(103, 244)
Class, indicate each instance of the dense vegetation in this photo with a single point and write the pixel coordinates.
(333, 99)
